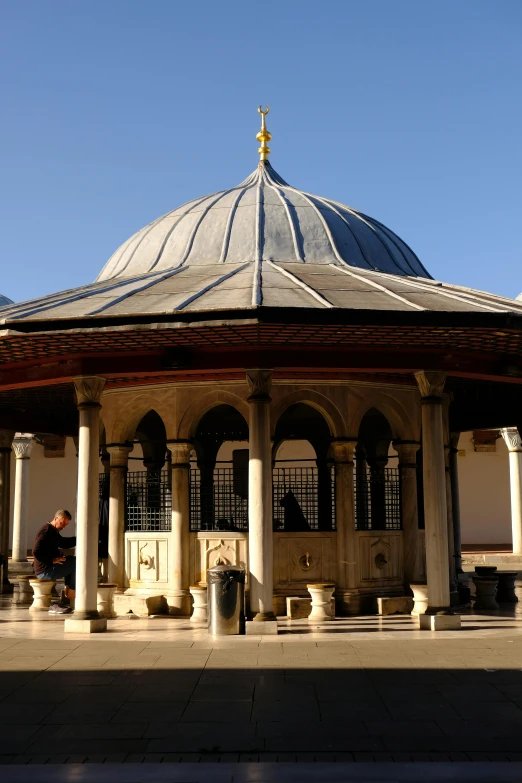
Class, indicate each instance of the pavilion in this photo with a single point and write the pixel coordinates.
(258, 316)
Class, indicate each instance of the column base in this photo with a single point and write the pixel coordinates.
(439, 622)
(261, 627)
(263, 617)
(96, 625)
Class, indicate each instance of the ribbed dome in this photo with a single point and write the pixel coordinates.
(4, 300)
(263, 219)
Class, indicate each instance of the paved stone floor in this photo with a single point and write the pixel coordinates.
(356, 690)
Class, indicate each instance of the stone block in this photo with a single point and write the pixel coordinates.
(299, 607)
(439, 622)
(396, 604)
(263, 628)
(140, 605)
(97, 625)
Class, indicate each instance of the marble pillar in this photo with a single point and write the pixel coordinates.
(23, 444)
(119, 458)
(455, 500)
(407, 451)
(346, 593)
(454, 595)
(178, 597)
(260, 537)
(6, 439)
(438, 615)
(513, 441)
(86, 618)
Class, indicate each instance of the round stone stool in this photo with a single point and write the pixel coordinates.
(420, 597)
(486, 591)
(506, 587)
(41, 594)
(24, 596)
(199, 610)
(321, 593)
(105, 599)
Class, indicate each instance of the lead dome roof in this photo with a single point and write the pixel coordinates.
(263, 219)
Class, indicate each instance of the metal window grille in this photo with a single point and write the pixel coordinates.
(224, 506)
(149, 501)
(377, 499)
(104, 483)
(296, 504)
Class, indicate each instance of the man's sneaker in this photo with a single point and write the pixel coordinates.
(57, 609)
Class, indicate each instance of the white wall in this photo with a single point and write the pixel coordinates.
(484, 493)
(52, 485)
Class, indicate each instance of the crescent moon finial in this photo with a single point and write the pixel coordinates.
(263, 136)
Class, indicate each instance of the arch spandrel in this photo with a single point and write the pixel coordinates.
(123, 412)
(316, 400)
(402, 414)
(194, 412)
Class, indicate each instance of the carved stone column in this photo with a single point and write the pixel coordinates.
(6, 439)
(260, 537)
(119, 459)
(514, 443)
(86, 618)
(407, 451)
(455, 500)
(23, 444)
(346, 593)
(179, 596)
(438, 614)
(454, 595)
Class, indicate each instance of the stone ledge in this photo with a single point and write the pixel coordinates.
(97, 625)
(397, 604)
(439, 622)
(263, 628)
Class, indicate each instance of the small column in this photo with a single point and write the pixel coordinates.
(6, 439)
(22, 446)
(438, 614)
(407, 451)
(455, 500)
(347, 597)
(514, 443)
(119, 459)
(454, 595)
(178, 598)
(86, 618)
(260, 537)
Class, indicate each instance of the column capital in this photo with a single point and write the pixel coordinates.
(407, 451)
(6, 439)
(119, 454)
(342, 451)
(259, 384)
(23, 445)
(431, 384)
(88, 389)
(512, 438)
(180, 451)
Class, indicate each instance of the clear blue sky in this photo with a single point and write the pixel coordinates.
(116, 111)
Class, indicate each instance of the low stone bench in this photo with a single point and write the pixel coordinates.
(105, 599)
(42, 594)
(396, 604)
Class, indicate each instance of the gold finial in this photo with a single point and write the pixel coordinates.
(263, 136)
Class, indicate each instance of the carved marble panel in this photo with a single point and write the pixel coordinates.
(380, 557)
(299, 559)
(147, 558)
(216, 548)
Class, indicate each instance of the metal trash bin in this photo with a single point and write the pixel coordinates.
(226, 600)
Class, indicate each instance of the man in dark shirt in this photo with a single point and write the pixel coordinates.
(50, 563)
